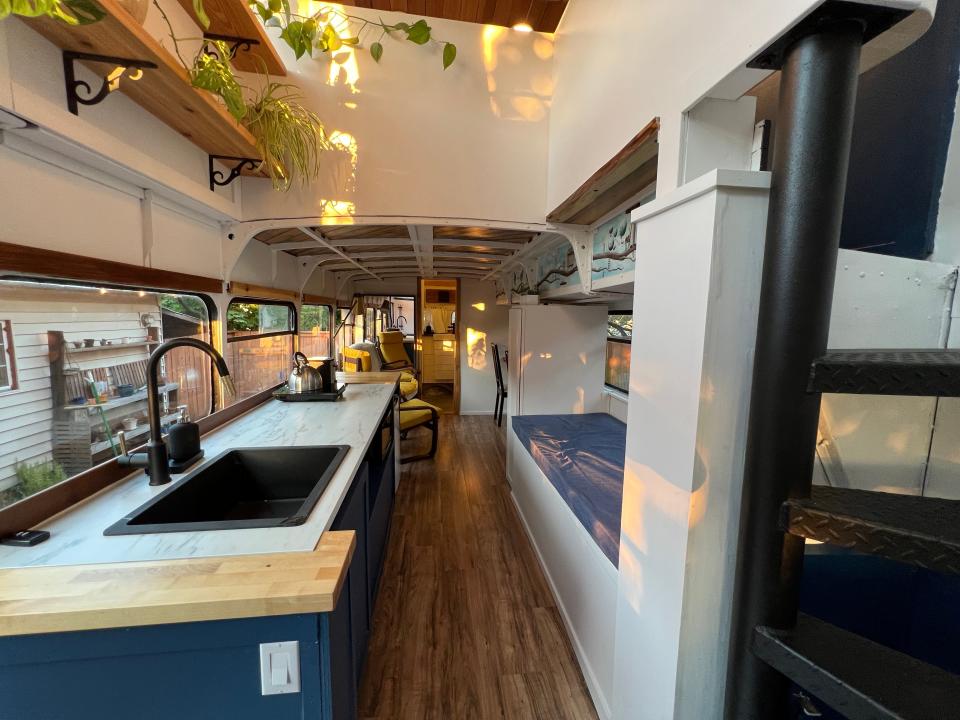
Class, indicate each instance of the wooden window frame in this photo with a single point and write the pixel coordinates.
(6, 338)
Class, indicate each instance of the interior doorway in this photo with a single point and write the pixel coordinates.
(438, 342)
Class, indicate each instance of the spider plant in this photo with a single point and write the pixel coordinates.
(290, 138)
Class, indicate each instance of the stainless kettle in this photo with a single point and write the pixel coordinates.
(304, 378)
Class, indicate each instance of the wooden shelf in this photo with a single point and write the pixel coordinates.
(101, 445)
(120, 401)
(115, 346)
(165, 91)
(236, 19)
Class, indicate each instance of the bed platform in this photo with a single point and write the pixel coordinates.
(566, 475)
(582, 457)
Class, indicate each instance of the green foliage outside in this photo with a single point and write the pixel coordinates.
(312, 316)
(258, 317)
(185, 305)
(38, 476)
(620, 326)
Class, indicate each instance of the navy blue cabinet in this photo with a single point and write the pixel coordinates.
(185, 671)
(353, 516)
(204, 670)
(380, 492)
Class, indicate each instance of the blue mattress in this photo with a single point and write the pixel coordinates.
(582, 456)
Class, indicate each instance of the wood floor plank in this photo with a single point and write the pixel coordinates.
(465, 626)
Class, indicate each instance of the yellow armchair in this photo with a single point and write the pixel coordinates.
(413, 413)
(392, 353)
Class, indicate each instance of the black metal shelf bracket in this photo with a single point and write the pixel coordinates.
(132, 69)
(217, 178)
(235, 44)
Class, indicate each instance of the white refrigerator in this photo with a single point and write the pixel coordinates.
(557, 358)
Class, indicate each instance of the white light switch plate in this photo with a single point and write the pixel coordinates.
(279, 668)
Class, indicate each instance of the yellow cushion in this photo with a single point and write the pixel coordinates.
(391, 347)
(412, 418)
(407, 376)
(408, 388)
(359, 359)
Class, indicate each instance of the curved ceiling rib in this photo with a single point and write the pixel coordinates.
(391, 251)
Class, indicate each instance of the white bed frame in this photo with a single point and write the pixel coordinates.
(583, 580)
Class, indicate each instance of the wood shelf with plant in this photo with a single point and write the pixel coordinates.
(166, 92)
(235, 18)
(263, 130)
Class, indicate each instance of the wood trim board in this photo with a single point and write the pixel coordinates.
(68, 266)
(622, 177)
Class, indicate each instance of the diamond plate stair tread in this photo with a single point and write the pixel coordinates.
(926, 373)
(857, 677)
(918, 530)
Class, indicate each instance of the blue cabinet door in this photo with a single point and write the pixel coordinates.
(186, 671)
(353, 516)
(380, 507)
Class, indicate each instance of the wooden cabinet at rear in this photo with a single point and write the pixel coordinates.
(439, 357)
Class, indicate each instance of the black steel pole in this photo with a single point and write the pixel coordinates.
(817, 98)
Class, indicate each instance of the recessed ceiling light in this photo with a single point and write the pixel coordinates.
(523, 27)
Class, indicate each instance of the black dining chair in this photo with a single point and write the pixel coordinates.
(501, 386)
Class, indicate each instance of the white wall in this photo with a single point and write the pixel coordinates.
(468, 142)
(482, 323)
(620, 63)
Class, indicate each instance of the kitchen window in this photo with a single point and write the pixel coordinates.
(619, 338)
(260, 337)
(315, 330)
(8, 363)
(80, 375)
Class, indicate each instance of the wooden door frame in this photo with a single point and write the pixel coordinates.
(418, 340)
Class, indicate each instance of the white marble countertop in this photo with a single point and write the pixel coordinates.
(76, 535)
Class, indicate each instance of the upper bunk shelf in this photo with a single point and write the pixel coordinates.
(235, 19)
(165, 91)
(624, 176)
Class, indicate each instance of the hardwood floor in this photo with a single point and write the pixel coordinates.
(465, 625)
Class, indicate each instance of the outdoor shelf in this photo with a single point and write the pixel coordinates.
(101, 445)
(115, 346)
(235, 19)
(164, 91)
(121, 401)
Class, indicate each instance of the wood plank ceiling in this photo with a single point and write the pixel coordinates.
(387, 251)
(541, 15)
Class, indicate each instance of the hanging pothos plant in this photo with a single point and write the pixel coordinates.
(289, 137)
(72, 12)
(327, 30)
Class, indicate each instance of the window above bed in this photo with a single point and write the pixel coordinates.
(619, 337)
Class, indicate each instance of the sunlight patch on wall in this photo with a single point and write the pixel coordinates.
(476, 348)
(503, 53)
(344, 69)
(479, 306)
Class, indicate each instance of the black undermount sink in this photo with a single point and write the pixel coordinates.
(241, 488)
